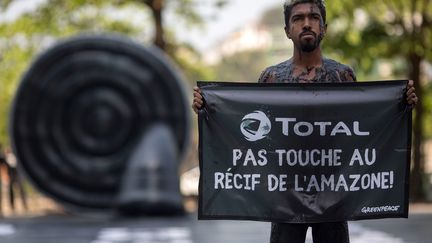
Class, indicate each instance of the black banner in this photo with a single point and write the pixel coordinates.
(304, 153)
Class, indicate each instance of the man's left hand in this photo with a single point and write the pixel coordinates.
(412, 98)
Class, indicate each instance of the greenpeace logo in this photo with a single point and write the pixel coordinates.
(368, 210)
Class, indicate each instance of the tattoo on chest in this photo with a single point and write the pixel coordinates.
(330, 71)
(306, 75)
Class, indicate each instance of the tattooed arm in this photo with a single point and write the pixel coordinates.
(348, 75)
(267, 76)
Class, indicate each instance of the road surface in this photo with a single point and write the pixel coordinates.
(187, 229)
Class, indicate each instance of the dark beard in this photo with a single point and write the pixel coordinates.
(309, 47)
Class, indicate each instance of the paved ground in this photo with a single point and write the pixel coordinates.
(73, 229)
(416, 229)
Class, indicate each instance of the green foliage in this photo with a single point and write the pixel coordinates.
(31, 33)
(365, 30)
(243, 66)
(390, 30)
(17, 60)
(194, 70)
(4, 4)
(428, 110)
(369, 32)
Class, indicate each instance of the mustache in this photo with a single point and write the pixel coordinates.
(308, 32)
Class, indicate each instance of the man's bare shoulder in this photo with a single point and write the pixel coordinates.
(344, 72)
(272, 73)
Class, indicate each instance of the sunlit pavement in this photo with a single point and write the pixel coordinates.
(187, 229)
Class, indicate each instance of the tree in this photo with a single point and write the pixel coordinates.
(242, 66)
(22, 38)
(397, 29)
(183, 8)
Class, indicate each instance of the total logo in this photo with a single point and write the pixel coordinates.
(255, 126)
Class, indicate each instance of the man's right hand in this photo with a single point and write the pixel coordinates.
(197, 100)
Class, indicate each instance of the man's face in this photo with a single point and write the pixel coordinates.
(306, 28)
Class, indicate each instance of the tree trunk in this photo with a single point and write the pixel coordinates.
(417, 173)
(159, 38)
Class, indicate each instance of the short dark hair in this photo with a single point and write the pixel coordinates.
(289, 5)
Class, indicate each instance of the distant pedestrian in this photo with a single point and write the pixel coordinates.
(3, 166)
(15, 181)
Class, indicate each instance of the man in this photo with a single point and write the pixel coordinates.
(14, 179)
(305, 26)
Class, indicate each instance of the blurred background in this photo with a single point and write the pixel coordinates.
(229, 40)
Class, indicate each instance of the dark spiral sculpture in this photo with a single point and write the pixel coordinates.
(81, 110)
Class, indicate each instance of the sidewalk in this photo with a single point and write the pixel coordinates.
(425, 208)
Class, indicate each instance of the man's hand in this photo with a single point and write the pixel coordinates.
(412, 98)
(197, 100)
